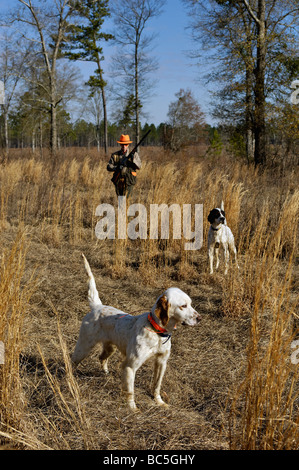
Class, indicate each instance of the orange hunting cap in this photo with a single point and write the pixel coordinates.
(124, 139)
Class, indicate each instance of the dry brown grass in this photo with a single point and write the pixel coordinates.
(13, 308)
(230, 382)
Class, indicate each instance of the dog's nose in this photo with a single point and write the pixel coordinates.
(198, 316)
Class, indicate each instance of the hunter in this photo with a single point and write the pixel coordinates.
(124, 167)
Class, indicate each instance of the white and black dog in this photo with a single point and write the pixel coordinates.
(220, 234)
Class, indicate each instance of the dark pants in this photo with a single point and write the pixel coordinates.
(122, 188)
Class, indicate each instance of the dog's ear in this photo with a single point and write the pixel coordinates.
(162, 310)
(211, 216)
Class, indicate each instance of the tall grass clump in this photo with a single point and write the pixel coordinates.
(68, 411)
(10, 175)
(14, 303)
(264, 410)
(263, 253)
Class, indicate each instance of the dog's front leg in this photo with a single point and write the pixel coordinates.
(160, 367)
(128, 379)
(226, 258)
(217, 255)
(211, 257)
(236, 258)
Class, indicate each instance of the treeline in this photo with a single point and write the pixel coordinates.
(82, 133)
(249, 47)
(27, 130)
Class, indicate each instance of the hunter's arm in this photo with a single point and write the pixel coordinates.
(135, 162)
(112, 165)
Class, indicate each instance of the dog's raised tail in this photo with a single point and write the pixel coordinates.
(93, 295)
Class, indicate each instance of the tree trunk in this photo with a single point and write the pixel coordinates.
(137, 136)
(5, 115)
(33, 144)
(53, 134)
(249, 118)
(41, 134)
(104, 110)
(100, 71)
(105, 121)
(260, 126)
(259, 88)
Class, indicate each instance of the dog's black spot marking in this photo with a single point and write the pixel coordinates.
(214, 214)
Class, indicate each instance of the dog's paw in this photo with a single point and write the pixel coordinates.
(132, 406)
(161, 402)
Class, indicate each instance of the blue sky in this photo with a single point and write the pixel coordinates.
(176, 68)
(175, 71)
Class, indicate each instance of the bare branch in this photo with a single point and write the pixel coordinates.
(251, 12)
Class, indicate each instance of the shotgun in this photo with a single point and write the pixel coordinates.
(124, 160)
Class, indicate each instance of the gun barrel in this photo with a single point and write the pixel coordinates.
(140, 142)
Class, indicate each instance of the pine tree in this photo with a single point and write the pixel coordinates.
(83, 42)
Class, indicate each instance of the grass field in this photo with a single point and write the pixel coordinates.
(230, 381)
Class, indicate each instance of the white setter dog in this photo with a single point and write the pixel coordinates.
(137, 337)
(220, 234)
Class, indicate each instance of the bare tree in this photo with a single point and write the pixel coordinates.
(34, 101)
(133, 64)
(253, 41)
(46, 28)
(186, 120)
(226, 35)
(94, 108)
(12, 64)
